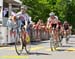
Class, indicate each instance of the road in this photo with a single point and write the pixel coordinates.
(41, 50)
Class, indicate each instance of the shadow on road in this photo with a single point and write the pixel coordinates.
(71, 43)
(37, 43)
(72, 36)
(36, 53)
(66, 46)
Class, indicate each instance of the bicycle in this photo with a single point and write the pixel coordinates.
(22, 42)
(54, 43)
(60, 34)
(67, 35)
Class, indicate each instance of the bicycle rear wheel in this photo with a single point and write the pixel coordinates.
(19, 45)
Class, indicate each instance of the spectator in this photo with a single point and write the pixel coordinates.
(12, 29)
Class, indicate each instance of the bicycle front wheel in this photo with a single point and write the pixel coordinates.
(28, 44)
(19, 45)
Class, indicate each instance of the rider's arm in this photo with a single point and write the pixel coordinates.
(26, 23)
(27, 20)
(18, 14)
(30, 20)
(48, 22)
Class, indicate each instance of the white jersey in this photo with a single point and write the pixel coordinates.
(25, 16)
(10, 24)
(49, 19)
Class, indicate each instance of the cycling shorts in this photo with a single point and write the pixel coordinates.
(54, 26)
(66, 27)
(23, 23)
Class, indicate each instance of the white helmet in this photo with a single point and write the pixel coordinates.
(24, 7)
(65, 22)
(52, 14)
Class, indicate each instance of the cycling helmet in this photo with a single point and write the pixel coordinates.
(24, 7)
(65, 22)
(52, 14)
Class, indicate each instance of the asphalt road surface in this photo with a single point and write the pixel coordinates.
(41, 50)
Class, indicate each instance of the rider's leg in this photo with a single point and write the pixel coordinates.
(65, 33)
(55, 35)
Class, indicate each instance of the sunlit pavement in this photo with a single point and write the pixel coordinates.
(41, 50)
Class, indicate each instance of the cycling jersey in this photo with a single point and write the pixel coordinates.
(23, 17)
(66, 26)
(53, 23)
(25, 20)
(59, 25)
(54, 26)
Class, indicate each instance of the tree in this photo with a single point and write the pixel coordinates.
(40, 9)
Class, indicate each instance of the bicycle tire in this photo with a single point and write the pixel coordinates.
(51, 44)
(28, 44)
(67, 39)
(60, 41)
(18, 43)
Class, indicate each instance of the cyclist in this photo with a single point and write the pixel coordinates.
(24, 17)
(12, 26)
(52, 22)
(25, 20)
(66, 28)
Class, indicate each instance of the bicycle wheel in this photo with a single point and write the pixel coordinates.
(67, 39)
(28, 44)
(60, 41)
(51, 44)
(19, 45)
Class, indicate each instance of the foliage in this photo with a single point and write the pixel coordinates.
(40, 9)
